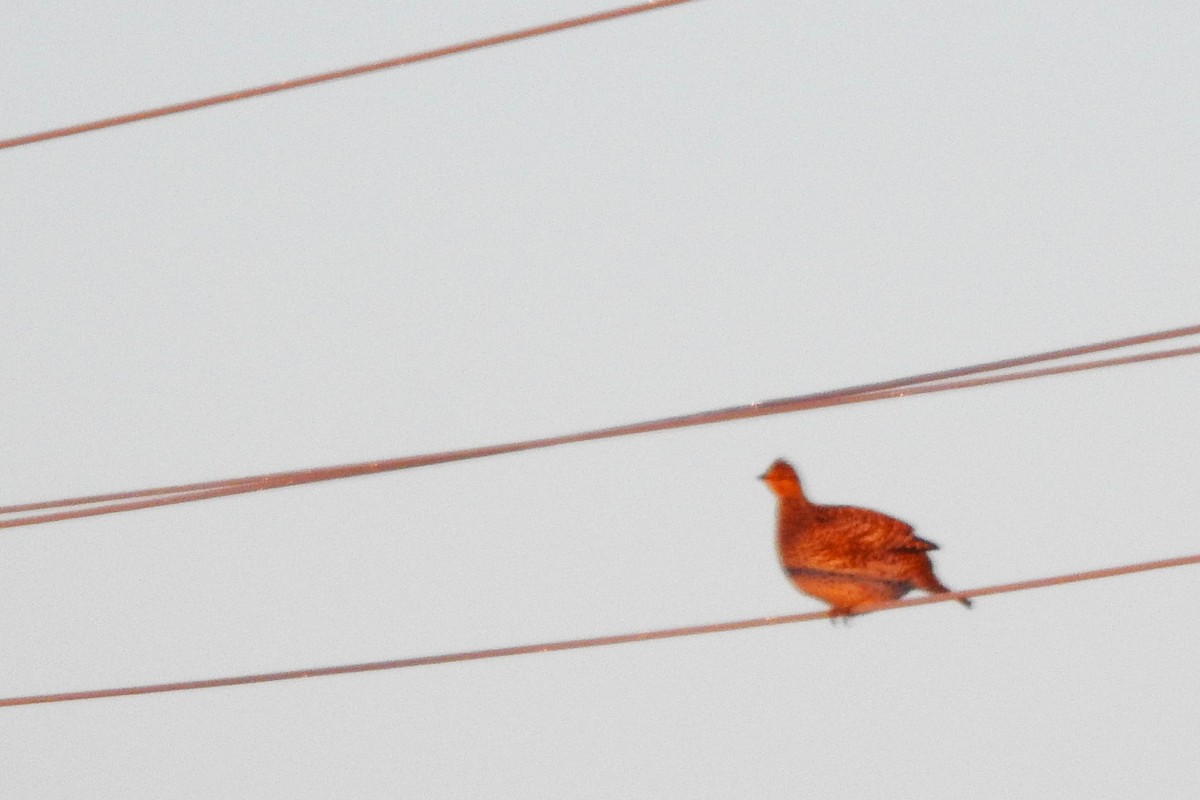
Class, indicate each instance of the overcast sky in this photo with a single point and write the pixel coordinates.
(705, 205)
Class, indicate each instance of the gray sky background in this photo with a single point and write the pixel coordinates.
(706, 205)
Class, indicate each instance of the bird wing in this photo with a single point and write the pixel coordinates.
(862, 527)
(851, 541)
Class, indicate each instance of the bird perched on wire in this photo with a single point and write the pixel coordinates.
(852, 558)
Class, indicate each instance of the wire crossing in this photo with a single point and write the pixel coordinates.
(944, 380)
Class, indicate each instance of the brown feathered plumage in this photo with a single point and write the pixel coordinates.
(851, 558)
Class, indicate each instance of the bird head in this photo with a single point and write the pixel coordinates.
(781, 479)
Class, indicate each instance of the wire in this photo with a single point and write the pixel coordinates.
(349, 72)
(926, 383)
(578, 644)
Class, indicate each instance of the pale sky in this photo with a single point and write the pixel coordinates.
(702, 206)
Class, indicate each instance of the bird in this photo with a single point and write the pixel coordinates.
(851, 558)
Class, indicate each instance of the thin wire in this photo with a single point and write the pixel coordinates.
(901, 387)
(911, 380)
(599, 641)
(349, 72)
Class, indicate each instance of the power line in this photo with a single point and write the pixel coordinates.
(894, 383)
(926, 383)
(578, 644)
(349, 72)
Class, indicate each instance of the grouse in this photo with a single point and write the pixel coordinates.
(852, 558)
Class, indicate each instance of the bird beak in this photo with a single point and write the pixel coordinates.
(762, 477)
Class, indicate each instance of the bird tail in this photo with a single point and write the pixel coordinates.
(935, 586)
(942, 589)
